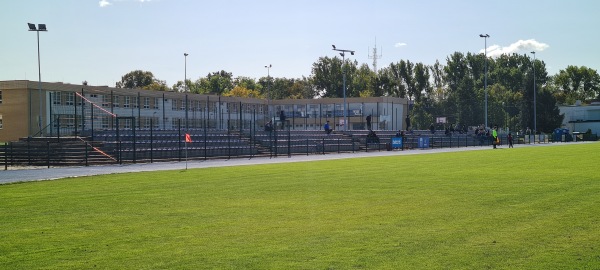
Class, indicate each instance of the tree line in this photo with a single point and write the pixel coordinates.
(455, 90)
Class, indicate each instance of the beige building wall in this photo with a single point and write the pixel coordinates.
(15, 110)
(20, 108)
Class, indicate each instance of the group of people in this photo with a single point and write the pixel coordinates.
(480, 132)
(269, 125)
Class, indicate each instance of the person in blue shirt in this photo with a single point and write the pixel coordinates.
(327, 129)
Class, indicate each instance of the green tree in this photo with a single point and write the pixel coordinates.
(280, 88)
(302, 89)
(157, 85)
(216, 83)
(395, 87)
(327, 77)
(462, 101)
(405, 69)
(136, 79)
(548, 117)
(384, 83)
(437, 73)
(246, 82)
(240, 91)
(364, 81)
(576, 83)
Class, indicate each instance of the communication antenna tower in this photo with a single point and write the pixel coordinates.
(375, 56)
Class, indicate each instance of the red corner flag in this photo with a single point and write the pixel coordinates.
(188, 138)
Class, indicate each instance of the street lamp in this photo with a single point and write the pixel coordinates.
(269, 89)
(186, 89)
(534, 97)
(485, 37)
(185, 71)
(41, 28)
(343, 54)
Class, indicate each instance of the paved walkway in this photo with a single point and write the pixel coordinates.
(38, 174)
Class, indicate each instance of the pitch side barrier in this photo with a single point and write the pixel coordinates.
(154, 145)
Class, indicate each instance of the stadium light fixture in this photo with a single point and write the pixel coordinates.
(485, 37)
(343, 54)
(268, 67)
(534, 98)
(40, 28)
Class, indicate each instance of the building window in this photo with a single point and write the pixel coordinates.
(1, 121)
(105, 122)
(135, 102)
(69, 121)
(0, 96)
(56, 98)
(156, 103)
(147, 123)
(105, 100)
(126, 102)
(182, 105)
(174, 105)
(115, 101)
(94, 95)
(146, 103)
(127, 123)
(70, 99)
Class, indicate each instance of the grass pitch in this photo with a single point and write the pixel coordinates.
(523, 208)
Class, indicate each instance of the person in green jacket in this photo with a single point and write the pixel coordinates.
(495, 140)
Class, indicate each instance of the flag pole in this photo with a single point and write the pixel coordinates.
(188, 139)
(186, 155)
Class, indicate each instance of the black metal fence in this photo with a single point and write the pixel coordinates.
(155, 145)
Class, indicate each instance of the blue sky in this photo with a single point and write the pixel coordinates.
(101, 40)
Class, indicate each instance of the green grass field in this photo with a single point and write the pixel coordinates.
(523, 208)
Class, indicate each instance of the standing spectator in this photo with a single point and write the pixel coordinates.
(407, 120)
(495, 140)
(282, 119)
(510, 140)
(432, 128)
(369, 122)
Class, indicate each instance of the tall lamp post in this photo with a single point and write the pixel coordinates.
(534, 97)
(268, 67)
(485, 37)
(343, 54)
(41, 28)
(185, 55)
(186, 88)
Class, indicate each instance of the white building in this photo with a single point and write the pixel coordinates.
(580, 117)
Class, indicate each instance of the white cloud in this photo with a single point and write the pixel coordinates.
(399, 44)
(521, 46)
(104, 3)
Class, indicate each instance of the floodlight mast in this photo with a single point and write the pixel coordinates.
(343, 54)
(185, 55)
(41, 28)
(534, 98)
(268, 67)
(485, 36)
